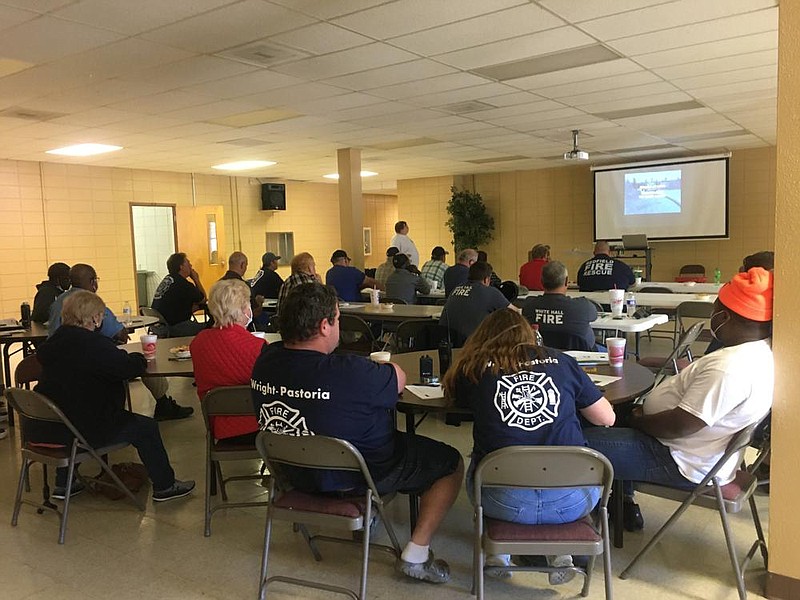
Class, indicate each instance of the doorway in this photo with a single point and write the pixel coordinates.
(154, 240)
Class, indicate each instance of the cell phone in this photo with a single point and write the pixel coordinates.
(425, 368)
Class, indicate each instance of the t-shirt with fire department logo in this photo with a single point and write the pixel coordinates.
(303, 392)
(536, 406)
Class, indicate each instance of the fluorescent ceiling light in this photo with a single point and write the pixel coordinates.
(244, 165)
(84, 149)
(363, 174)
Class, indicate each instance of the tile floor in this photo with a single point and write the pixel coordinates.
(113, 551)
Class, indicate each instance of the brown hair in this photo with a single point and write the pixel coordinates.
(502, 342)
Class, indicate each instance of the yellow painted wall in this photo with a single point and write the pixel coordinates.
(555, 207)
(380, 213)
(785, 484)
(422, 203)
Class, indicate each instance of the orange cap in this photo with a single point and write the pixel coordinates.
(749, 294)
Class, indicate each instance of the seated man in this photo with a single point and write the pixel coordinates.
(603, 272)
(84, 277)
(237, 266)
(458, 274)
(177, 299)
(685, 424)
(267, 283)
(304, 270)
(386, 268)
(84, 374)
(348, 281)
(51, 288)
(353, 398)
(530, 274)
(471, 303)
(433, 270)
(403, 284)
(563, 321)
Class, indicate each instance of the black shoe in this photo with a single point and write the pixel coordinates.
(632, 518)
(167, 410)
(60, 491)
(178, 489)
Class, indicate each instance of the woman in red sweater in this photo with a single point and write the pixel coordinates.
(224, 354)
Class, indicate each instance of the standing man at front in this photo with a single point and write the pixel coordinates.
(603, 272)
(403, 243)
(300, 387)
(177, 299)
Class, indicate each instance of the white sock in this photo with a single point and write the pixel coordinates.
(413, 553)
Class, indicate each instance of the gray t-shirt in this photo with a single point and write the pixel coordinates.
(467, 306)
(403, 284)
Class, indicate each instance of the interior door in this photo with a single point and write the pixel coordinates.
(201, 235)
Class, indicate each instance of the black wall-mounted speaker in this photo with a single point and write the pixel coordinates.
(273, 196)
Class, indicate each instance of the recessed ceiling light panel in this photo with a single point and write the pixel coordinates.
(244, 165)
(84, 149)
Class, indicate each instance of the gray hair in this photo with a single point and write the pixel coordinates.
(554, 274)
(227, 301)
(468, 254)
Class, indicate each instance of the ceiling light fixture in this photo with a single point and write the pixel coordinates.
(363, 174)
(575, 153)
(244, 165)
(84, 150)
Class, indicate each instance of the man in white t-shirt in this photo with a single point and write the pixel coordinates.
(683, 428)
(405, 244)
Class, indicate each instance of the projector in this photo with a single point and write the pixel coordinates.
(576, 155)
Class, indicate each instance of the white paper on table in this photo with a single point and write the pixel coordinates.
(603, 380)
(595, 358)
(426, 392)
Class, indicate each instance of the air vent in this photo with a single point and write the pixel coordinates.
(29, 114)
(262, 54)
(466, 107)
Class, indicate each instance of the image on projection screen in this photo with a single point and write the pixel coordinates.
(652, 193)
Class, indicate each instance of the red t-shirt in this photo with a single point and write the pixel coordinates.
(530, 274)
(224, 357)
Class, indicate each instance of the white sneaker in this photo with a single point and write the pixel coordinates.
(559, 577)
(3, 433)
(498, 560)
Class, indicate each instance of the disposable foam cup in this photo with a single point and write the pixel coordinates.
(259, 334)
(381, 357)
(434, 285)
(148, 345)
(617, 301)
(616, 351)
(637, 280)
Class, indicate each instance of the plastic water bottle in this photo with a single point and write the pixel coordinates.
(126, 313)
(539, 338)
(717, 276)
(630, 304)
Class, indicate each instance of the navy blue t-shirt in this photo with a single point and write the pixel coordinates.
(455, 276)
(347, 281)
(604, 273)
(303, 392)
(536, 406)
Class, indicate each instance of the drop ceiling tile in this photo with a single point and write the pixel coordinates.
(253, 82)
(134, 17)
(11, 17)
(565, 76)
(285, 96)
(341, 102)
(391, 75)
(374, 110)
(230, 26)
(407, 16)
(708, 51)
(537, 105)
(737, 76)
(658, 92)
(320, 38)
(584, 11)
(47, 38)
(734, 88)
(160, 103)
(528, 121)
(720, 65)
(344, 62)
(527, 46)
(442, 83)
(676, 37)
(187, 72)
(513, 22)
(329, 8)
(666, 16)
(597, 85)
(507, 99)
(39, 6)
(738, 141)
(95, 117)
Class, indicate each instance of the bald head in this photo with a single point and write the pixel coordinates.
(602, 247)
(237, 262)
(84, 277)
(467, 257)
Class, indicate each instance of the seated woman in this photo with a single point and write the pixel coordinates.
(84, 374)
(499, 355)
(224, 355)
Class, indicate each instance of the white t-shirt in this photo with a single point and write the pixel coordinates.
(406, 246)
(728, 390)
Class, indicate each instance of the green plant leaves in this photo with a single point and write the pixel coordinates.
(469, 221)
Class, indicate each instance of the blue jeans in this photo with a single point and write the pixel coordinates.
(636, 456)
(535, 507)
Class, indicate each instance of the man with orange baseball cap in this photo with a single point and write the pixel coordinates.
(683, 428)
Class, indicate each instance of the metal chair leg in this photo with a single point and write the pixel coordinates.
(729, 542)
